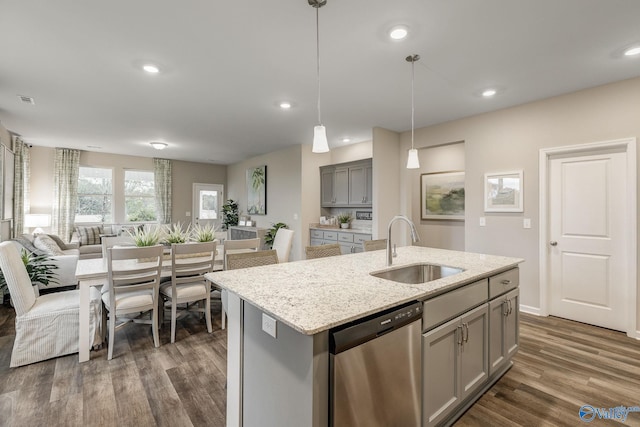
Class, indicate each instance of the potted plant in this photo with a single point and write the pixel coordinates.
(142, 237)
(203, 233)
(270, 235)
(230, 214)
(344, 218)
(174, 233)
(39, 268)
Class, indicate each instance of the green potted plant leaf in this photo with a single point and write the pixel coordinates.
(40, 269)
(230, 214)
(142, 237)
(203, 233)
(175, 234)
(344, 218)
(270, 235)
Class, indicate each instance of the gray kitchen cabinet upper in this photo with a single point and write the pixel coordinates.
(347, 184)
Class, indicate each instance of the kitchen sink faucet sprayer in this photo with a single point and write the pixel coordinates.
(414, 236)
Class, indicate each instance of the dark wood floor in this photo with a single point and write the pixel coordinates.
(561, 366)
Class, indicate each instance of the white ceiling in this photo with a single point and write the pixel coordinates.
(227, 63)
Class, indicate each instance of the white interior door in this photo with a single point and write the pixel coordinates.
(588, 232)
(207, 204)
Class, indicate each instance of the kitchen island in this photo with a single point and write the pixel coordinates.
(283, 380)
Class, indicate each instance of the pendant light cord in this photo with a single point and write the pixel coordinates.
(318, 58)
(413, 63)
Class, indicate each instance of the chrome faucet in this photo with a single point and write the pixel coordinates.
(414, 236)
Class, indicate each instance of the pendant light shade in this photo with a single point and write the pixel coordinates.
(320, 144)
(412, 160)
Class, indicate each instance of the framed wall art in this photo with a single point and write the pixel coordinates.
(257, 190)
(503, 192)
(442, 195)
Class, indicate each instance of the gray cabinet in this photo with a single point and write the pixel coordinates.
(455, 360)
(503, 333)
(346, 185)
(239, 233)
(349, 242)
(360, 183)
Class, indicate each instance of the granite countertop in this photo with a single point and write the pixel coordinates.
(312, 296)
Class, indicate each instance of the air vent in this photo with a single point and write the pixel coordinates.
(27, 99)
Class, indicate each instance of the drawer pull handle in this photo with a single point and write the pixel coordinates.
(460, 334)
(506, 282)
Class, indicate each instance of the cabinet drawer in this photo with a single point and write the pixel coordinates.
(316, 242)
(503, 282)
(330, 235)
(345, 237)
(316, 234)
(359, 238)
(451, 304)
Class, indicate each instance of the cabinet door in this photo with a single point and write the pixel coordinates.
(512, 323)
(497, 312)
(474, 359)
(341, 186)
(368, 172)
(440, 360)
(326, 186)
(346, 248)
(357, 186)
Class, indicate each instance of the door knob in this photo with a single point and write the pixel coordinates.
(553, 243)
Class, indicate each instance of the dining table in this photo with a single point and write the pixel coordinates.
(94, 272)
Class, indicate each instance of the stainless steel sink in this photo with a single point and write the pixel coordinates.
(418, 273)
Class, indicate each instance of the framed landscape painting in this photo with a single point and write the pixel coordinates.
(442, 195)
(257, 190)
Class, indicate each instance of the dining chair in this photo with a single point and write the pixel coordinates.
(111, 241)
(240, 245)
(189, 263)
(46, 326)
(322, 251)
(251, 259)
(282, 244)
(374, 245)
(132, 288)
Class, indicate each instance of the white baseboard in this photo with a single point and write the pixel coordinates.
(531, 310)
(635, 335)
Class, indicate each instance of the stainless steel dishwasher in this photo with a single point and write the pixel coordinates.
(375, 366)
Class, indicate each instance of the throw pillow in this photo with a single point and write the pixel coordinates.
(47, 244)
(62, 245)
(89, 235)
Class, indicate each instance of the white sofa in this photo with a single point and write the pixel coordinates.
(66, 271)
(94, 248)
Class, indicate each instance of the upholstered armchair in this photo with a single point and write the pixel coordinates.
(46, 326)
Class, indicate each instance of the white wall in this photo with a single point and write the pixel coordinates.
(510, 139)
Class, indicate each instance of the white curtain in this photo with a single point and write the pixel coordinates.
(162, 184)
(20, 185)
(65, 191)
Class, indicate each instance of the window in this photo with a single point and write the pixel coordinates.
(95, 195)
(139, 196)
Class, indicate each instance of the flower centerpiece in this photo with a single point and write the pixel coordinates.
(175, 234)
(203, 233)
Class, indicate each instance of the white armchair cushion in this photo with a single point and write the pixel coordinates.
(186, 290)
(47, 245)
(130, 300)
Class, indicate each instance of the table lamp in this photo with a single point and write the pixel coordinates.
(37, 221)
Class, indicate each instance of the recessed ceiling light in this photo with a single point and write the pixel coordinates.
(285, 105)
(632, 51)
(151, 69)
(346, 139)
(159, 145)
(399, 32)
(488, 93)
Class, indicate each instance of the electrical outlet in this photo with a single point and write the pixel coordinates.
(483, 221)
(295, 216)
(187, 214)
(269, 325)
(526, 223)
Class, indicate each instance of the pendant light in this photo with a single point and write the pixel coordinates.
(320, 144)
(412, 161)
